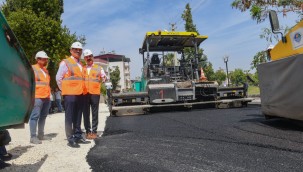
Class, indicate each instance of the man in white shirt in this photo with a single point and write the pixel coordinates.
(70, 80)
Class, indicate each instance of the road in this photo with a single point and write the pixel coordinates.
(237, 139)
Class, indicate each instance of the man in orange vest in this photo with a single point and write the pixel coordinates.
(42, 98)
(94, 74)
(70, 80)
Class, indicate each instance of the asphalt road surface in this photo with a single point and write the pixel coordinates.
(237, 139)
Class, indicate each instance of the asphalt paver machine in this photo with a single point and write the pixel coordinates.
(180, 83)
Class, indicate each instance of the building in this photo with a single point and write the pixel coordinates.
(102, 63)
(120, 61)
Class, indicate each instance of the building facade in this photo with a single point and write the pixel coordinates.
(120, 61)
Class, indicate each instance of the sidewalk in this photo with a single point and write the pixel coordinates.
(256, 101)
(53, 154)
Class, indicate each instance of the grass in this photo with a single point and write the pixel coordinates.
(253, 90)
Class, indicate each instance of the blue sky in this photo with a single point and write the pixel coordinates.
(120, 25)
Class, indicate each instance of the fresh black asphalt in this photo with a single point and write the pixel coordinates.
(238, 139)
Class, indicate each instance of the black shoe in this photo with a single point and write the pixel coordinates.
(82, 141)
(4, 164)
(6, 157)
(73, 145)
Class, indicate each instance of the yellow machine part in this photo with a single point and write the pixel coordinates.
(293, 46)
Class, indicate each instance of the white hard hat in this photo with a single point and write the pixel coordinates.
(87, 52)
(76, 45)
(270, 47)
(41, 54)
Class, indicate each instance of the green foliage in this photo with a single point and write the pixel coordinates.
(255, 79)
(256, 12)
(209, 72)
(270, 37)
(260, 57)
(115, 77)
(189, 53)
(50, 8)
(220, 76)
(187, 17)
(169, 59)
(103, 89)
(237, 77)
(259, 8)
(38, 26)
(253, 90)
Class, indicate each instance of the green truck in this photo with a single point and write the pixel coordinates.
(17, 87)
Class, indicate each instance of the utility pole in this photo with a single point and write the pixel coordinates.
(225, 58)
(173, 26)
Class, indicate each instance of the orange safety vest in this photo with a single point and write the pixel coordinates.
(73, 80)
(42, 82)
(93, 80)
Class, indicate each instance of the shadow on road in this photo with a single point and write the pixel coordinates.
(19, 150)
(27, 167)
(278, 123)
(50, 136)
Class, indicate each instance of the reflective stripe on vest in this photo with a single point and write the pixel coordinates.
(42, 82)
(73, 80)
(93, 80)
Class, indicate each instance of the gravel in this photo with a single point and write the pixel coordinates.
(53, 154)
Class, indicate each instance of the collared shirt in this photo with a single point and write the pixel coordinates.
(63, 69)
(102, 73)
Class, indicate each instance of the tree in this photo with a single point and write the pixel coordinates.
(38, 26)
(259, 11)
(189, 53)
(51, 8)
(260, 57)
(169, 59)
(259, 8)
(115, 77)
(209, 72)
(237, 77)
(220, 76)
(253, 79)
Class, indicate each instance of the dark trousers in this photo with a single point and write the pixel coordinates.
(73, 115)
(58, 102)
(2, 151)
(91, 101)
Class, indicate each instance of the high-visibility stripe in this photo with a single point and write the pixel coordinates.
(42, 83)
(92, 80)
(37, 73)
(73, 78)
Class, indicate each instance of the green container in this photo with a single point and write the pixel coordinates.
(17, 84)
(137, 86)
